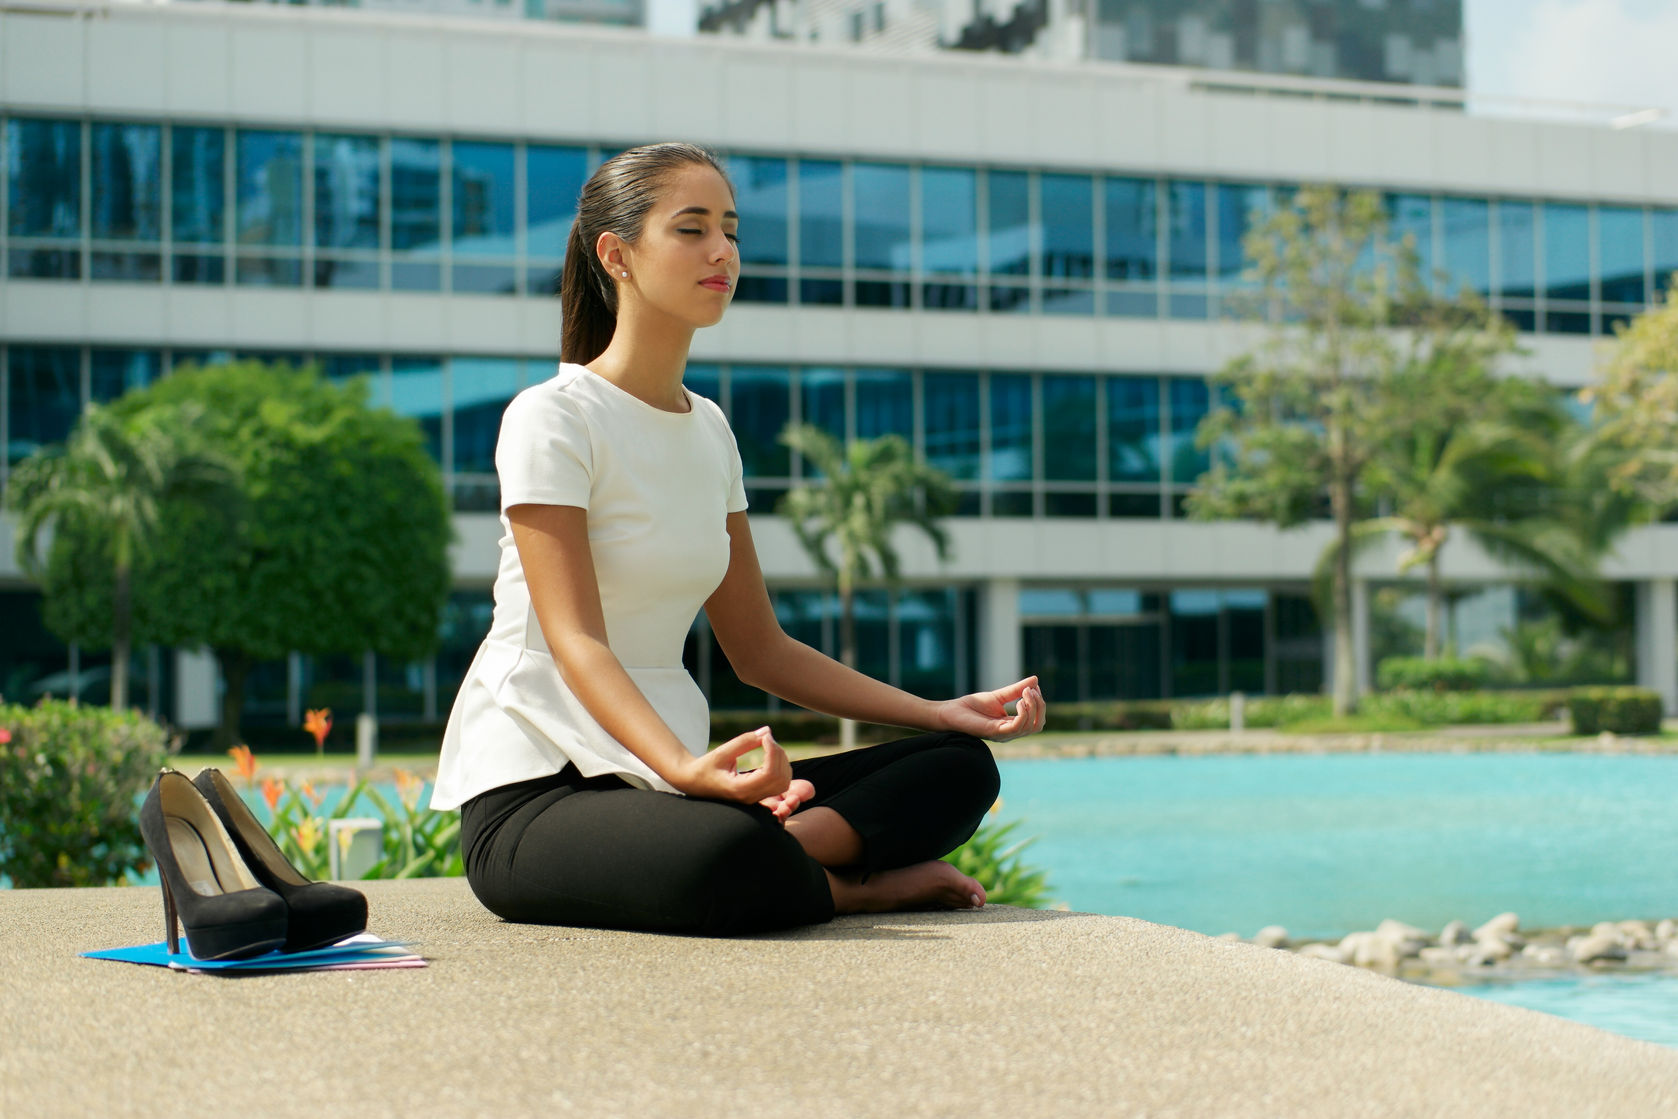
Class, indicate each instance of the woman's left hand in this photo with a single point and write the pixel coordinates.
(983, 714)
(785, 804)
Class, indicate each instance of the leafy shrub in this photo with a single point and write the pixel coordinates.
(1109, 715)
(995, 862)
(1261, 712)
(1438, 709)
(1618, 710)
(1442, 674)
(70, 782)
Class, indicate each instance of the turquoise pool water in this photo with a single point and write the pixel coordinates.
(1324, 844)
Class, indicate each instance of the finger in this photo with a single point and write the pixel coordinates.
(1013, 691)
(741, 745)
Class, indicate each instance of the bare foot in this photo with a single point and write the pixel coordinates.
(929, 885)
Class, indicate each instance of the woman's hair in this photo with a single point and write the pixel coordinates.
(615, 199)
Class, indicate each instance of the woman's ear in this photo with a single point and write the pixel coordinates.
(608, 249)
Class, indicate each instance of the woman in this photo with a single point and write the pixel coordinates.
(624, 511)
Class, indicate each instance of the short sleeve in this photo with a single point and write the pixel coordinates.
(544, 455)
(736, 479)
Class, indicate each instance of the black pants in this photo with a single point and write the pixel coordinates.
(597, 851)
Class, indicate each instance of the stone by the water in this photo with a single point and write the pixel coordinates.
(1502, 923)
(1271, 936)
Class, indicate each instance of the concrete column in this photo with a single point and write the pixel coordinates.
(1657, 640)
(999, 633)
(1360, 633)
(195, 689)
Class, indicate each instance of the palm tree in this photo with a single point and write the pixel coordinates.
(109, 480)
(1488, 458)
(865, 490)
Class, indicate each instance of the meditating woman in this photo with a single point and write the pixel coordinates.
(578, 746)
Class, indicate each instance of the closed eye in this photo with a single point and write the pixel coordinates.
(731, 236)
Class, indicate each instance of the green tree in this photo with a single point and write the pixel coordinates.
(1468, 452)
(845, 519)
(1315, 397)
(339, 546)
(1635, 406)
(109, 482)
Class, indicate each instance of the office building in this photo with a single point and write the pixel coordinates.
(1020, 268)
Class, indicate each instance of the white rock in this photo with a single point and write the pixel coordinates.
(1636, 934)
(1439, 956)
(1596, 946)
(1323, 952)
(1228, 936)
(1672, 947)
(1398, 930)
(1491, 950)
(1502, 923)
(1666, 930)
(1545, 955)
(1455, 933)
(1373, 951)
(1271, 936)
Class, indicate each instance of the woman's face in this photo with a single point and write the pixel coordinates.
(686, 262)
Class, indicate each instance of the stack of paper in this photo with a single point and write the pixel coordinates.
(364, 950)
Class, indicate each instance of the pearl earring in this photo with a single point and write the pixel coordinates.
(626, 275)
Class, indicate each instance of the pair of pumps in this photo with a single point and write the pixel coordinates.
(227, 881)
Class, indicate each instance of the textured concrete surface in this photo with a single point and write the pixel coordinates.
(994, 1013)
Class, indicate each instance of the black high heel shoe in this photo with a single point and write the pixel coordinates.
(207, 887)
(319, 913)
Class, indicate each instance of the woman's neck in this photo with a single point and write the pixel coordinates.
(648, 361)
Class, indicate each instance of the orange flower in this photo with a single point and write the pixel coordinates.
(318, 722)
(408, 788)
(5, 736)
(244, 761)
(309, 791)
(271, 792)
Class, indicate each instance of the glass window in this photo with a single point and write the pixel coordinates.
(1190, 401)
(270, 188)
(821, 400)
(116, 372)
(346, 192)
(950, 402)
(1241, 207)
(1663, 229)
(44, 178)
(1515, 249)
(761, 199)
(882, 216)
(1194, 643)
(1010, 427)
(1069, 414)
(1567, 251)
(416, 217)
(127, 182)
(198, 201)
(1132, 229)
(1133, 423)
(1186, 223)
(950, 220)
(885, 404)
(1465, 227)
(416, 389)
(1411, 216)
(1050, 602)
(342, 367)
(760, 404)
(482, 388)
(44, 399)
(553, 177)
(872, 614)
(926, 638)
(481, 226)
(821, 210)
(1012, 239)
(703, 380)
(1068, 226)
(1620, 253)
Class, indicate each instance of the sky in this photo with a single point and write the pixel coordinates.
(1603, 51)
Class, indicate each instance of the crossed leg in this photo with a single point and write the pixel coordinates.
(882, 816)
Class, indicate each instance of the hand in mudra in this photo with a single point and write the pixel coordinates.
(717, 775)
(985, 714)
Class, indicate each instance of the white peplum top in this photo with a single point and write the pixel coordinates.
(658, 487)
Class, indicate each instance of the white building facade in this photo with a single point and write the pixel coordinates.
(1018, 266)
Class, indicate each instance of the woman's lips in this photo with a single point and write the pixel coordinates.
(715, 285)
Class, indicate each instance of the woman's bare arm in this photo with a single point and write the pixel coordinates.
(552, 542)
(765, 656)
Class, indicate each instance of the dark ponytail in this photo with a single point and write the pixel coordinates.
(616, 199)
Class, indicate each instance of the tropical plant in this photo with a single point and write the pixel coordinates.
(339, 544)
(111, 481)
(70, 781)
(865, 490)
(993, 857)
(1635, 403)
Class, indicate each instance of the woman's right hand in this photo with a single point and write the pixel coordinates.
(716, 775)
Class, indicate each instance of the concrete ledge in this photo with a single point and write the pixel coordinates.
(997, 1013)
